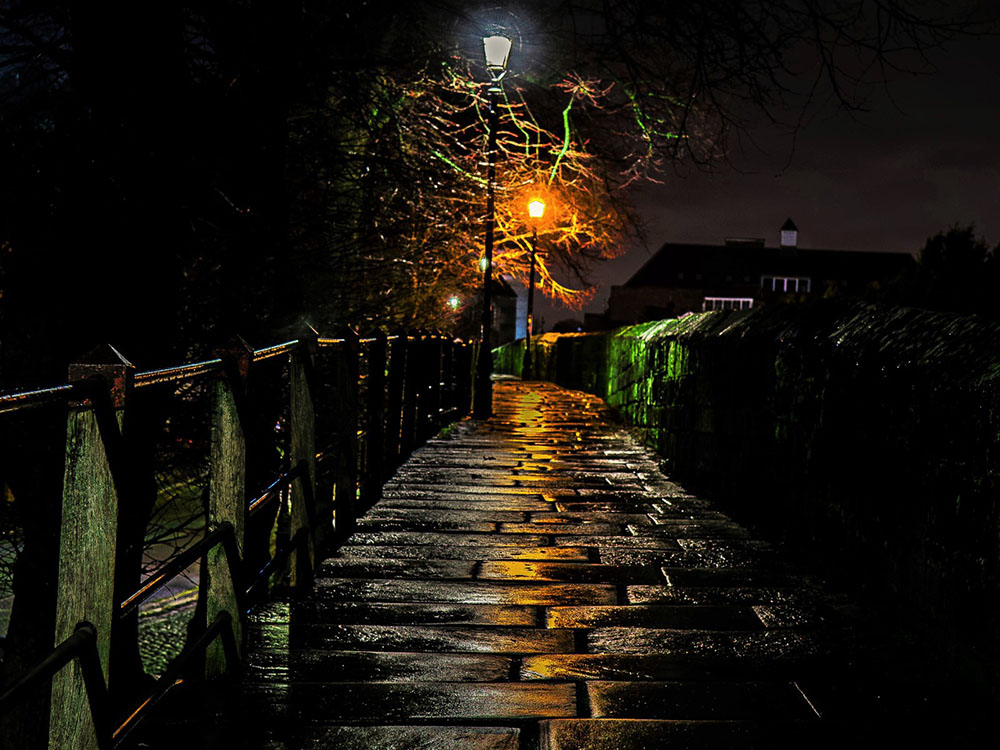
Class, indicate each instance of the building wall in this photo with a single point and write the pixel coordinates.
(504, 318)
(868, 438)
(628, 304)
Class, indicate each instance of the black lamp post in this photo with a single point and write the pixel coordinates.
(536, 209)
(497, 49)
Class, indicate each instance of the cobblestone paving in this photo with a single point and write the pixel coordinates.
(537, 582)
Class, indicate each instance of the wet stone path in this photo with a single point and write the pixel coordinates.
(537, 582)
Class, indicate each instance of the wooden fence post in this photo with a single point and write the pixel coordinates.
(434, 355)
(394, 401)
(465, 376)
(423, 389)
(302, 450)
(227, 493)
(449, 402)
(411, 385)
(89, 534)
(344, 376)
(375, 431)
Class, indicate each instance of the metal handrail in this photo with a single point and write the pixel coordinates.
(281, 556)
(222, 626)
(81, 645)
(11, 402)
(23, 400)
(278, 350)
(176, 374)
(172, 569)
(84, 635)
(272, 489)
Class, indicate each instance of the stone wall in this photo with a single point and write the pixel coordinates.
(867, 438)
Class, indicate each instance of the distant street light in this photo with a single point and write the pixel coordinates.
(536, 210)
(454, 302)
(497, 50)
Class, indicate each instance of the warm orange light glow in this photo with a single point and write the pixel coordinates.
(536, 208)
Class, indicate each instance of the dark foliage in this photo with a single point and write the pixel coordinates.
(956, 271)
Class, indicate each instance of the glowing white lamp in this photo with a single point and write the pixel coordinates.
(497, 49)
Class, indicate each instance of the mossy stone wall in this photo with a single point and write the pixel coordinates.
(866, 437)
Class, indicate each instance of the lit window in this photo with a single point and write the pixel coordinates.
(727, 303)
(785, 284)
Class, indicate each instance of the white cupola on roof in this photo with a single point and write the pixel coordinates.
(789, 234)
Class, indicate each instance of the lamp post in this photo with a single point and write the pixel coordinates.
(536, 209)
(497, 50)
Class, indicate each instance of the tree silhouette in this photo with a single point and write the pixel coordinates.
(956, 271)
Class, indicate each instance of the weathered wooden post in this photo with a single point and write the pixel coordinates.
(425, 369)
(374, 452)
(411, 384)
(448, 403)
(394, 401)
(344, 405)
(302, 448)
(464, 375)
(89, 533)
(434, 357)
(227, 493)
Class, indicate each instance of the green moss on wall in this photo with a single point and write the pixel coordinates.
(864, 435)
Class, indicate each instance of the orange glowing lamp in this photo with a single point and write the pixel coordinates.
(536, 208)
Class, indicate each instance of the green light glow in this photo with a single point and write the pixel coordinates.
(565, 145)
(454, 302)
(482, 264)
(457, 168)
(517, 122)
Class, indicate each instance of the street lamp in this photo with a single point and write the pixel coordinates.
(536, 209)
(497, 50)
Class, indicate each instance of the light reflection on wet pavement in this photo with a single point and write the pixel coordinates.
(537, 582)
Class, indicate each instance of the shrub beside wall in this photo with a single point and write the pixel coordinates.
(867, 437)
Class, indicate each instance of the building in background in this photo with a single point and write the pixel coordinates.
(469, 322)
(742, 273)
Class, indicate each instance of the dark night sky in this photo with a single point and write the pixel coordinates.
(925, 156)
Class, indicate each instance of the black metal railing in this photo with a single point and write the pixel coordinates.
(349, 409)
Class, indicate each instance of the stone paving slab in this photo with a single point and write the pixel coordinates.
(400, 702)
(465, 552)
(509, 570)
(316, 665)
(534, 582)
(335, 610)
(419, 502)
(473, 592)
(375, 567)
(685, 559)
(721, 700)
(603, 540)
(648, 666)
(420, 516)
(402, 738)
(616, 734)
(719, 595)
(448, 540)
(423, 638)
(659, 616)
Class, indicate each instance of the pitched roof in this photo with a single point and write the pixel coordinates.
(738, 260)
